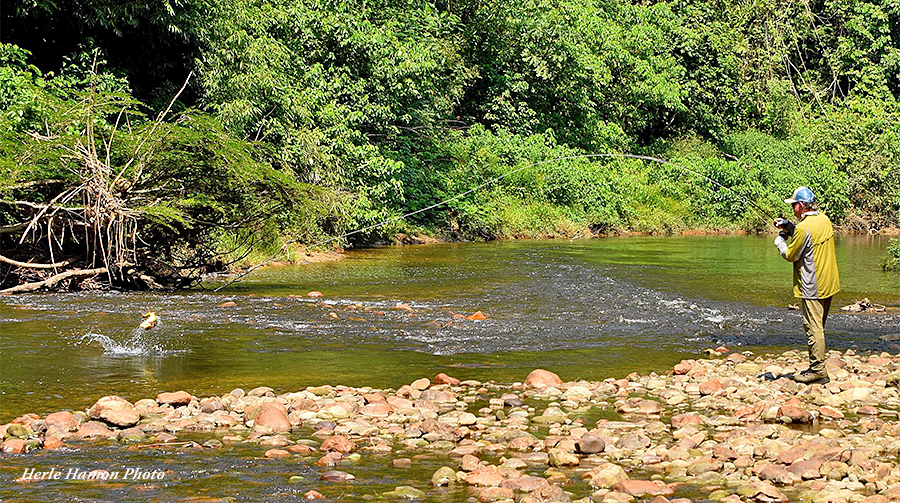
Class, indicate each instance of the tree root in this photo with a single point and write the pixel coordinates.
(29, 265)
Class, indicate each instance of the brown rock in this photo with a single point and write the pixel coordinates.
(64, 420)
(493, 494)
(175, 399)
(547, 494)
(301, 449)
(330, 459)
(485, 476)
(711, 386)
(13, 446)
(643, 488)
(540, 378)
(377, 409)
(93, 429)
(590, 444)
(277, 453)
(795, 414)
(806, 468)
(525, 484)
(469, 463)
(686, 419)
(767, 493)
(273, 417)
(313, 495)
(445, 379)
(830, 412)
(478, 315)
(53, 443)
(777, 474)
(402, 463)
(338, 443)
(336, 476)
(420, 384)
(315, 295)
(228, 304)
(683, 367)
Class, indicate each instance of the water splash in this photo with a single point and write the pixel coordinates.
(139, 343)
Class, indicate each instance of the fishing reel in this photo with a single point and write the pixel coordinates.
(786, 226)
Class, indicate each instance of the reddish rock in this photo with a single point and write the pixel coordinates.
(469, 463)
(403, 307)
(830, 412)
(767, 493)
(485, 476)
(13, 446)
(683, 367)
(277, 453)
(93, 429)
(723, 453)
(377, 409)
(53, 443)
(273, 417)
(175, 399)
(711, 386)
(736, 358)
(643, 488)
(540, 378)
(336, 476)
(547, 494)
(313, 495)
(492, 494)
(722, 350)
(445, 379)
(795, 414)
(420, 384)
(64, 420)
(686, 419)
(301, 449)
(315, 295)
(478, 315)
(525, 484)
(806, 469)
(777, 474)
(338, 443)
(228, 304)
(402, 463)
(330, 459)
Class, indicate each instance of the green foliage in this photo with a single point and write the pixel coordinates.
(328, 115)
(892, 261)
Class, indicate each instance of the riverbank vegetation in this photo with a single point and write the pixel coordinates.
(300, 120)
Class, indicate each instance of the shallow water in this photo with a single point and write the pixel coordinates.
(584, 309)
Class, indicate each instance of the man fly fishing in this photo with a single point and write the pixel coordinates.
(810, 246)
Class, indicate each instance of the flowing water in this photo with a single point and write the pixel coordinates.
(584, 309)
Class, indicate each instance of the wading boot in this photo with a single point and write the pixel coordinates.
(810, 377)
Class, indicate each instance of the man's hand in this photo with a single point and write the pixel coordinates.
(786, 226)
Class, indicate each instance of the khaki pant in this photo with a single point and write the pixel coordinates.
(815, 312)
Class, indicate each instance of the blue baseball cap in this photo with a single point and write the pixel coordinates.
(801, 195)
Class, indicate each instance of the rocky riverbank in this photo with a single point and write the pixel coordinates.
(728, 428)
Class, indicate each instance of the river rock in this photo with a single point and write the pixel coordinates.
(53, 443)
(494, 494)
(420, 384)
(445, 379)
(64, 420)
(767, 493)
(338, 443)
(561, 457)
(469, 463)
(589, 444)
(92, 429)
(175, 399)
(607, 475)
(643, 488)
(273, 417)
(485, 476)
(547, 494)
(777, 474)
(405, 493)
(261, 391)
(115, 410)
(443, 476)
(540, 378)
(795, 414)
(337, 476)
(711, 386)
(578, 394)
(277, 453)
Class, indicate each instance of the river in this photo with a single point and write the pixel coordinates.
(584, 309)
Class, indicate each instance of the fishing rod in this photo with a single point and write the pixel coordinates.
(766, 216)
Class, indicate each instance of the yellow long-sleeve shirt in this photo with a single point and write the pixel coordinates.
(811, 249)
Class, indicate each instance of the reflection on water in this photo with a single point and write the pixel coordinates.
(588, 309)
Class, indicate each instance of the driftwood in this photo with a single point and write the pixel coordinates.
(29, 265)
(52, 280)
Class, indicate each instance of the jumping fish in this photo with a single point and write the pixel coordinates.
(150, 320)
